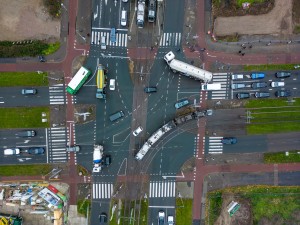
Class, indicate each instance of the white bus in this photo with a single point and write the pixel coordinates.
(78, 80)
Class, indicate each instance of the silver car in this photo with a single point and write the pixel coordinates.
(238, 86)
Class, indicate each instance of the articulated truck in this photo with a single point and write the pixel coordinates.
(187, 69)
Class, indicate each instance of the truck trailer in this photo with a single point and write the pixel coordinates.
(101, 82)
(211, 87)
(187, 69)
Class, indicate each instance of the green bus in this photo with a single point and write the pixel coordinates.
(78, 80)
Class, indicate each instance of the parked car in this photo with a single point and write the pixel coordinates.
(137, 131)
(182, 103)
(107, 160)
(150, 89)
(29, 91)
(229, 140)
(112, 84)
(170, 220)
(26, 133)
(103, 218)
(243, 95)
(282, 74)
(262, 94)
(259, 85)
(12, 151)
(257, 75)
(283, 93)
(74, 148)
(36, 151)
(277, 84)
(161, 217)
(113, 35)
(238, 86)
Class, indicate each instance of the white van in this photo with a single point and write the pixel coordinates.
(124, 18)
(277, 84)
(211, 87)
(237, 76)
(103, 42)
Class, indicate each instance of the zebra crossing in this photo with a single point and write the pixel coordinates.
(57, 144)
(121, 38)
(215, 145)
(159, 189)
(57, 94)
(102, 190)
(170, 39)
(223, 79)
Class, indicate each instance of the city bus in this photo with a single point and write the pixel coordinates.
(78, 80)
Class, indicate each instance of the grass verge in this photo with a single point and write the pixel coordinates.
(213, 209)
(184, 210)
(10, 79)
(24, 117)
(53, 47)
(82, 206)
(144, 212)
(268, 67)
(281, 157)
(266, 202)
(116, 215)
(25, 170)
(273, 116)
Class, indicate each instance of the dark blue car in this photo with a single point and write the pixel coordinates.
(229, 140)
(113, 35)
(257, 75)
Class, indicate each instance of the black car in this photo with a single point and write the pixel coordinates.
(243, 95)
(282, 93)
(282, 74)
(103, 218)
(262, 94)
(259, 85)
(107, 160)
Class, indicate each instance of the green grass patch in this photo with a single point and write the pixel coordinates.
(53, 47)
(25, 170)
(144, 212)
(281, 157)
(214, 207)
(83, 205)
(273, 116)
(268, 67)
(11, 79)
(184, 210)
(29, 117)
(297, 29)
(229, 38)
(266, 201)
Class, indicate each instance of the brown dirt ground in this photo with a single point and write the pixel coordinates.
(277, 22)
(26, 20)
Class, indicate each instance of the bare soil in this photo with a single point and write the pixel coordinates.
(27, 20)
(278, 21)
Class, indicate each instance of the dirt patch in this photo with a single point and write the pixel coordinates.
(243, 216)
(277, 22)
(27, 20)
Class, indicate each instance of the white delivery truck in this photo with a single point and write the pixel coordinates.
(211, 87)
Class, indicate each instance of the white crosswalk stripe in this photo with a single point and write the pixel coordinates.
(170, 39)
(159, 189)
(215, 145)
(121, 38)
(223, 79)
(102, 190)
(57, 94)
(57, 144)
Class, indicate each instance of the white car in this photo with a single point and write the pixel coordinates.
(112, 84)
(137, 131)
(12, 151)
(277, 84)
(124, 0)
(171, 220)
